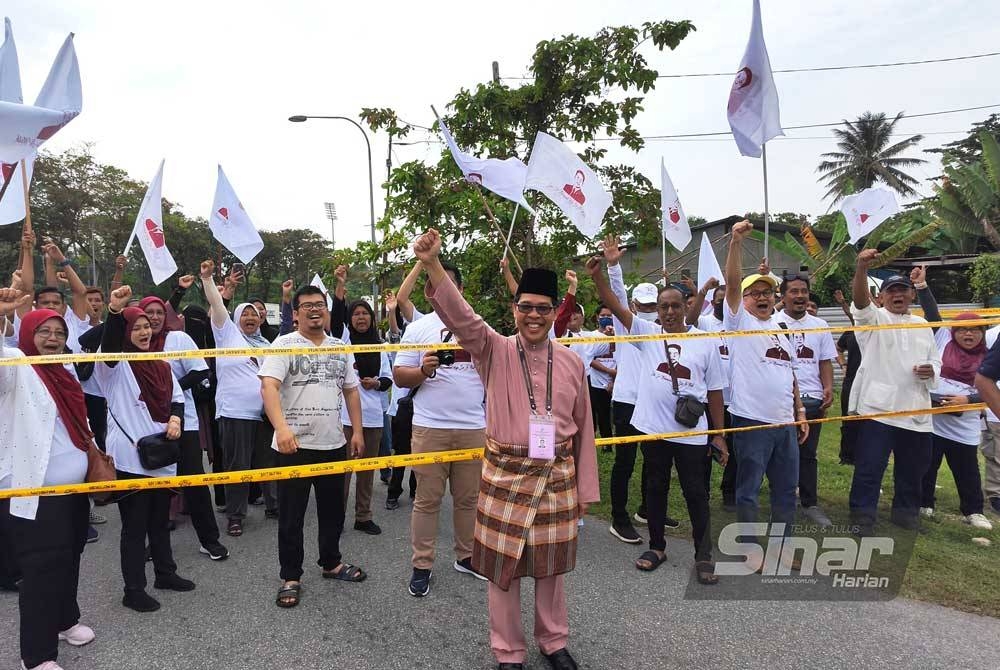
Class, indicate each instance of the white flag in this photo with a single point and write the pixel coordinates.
(23, 128)
(317, 281)
(753, 99)
(557, 171)
(867, 210)
(503, 177)
(12, 204)
(675, 223)
(708, 264)
(231, 224)
(149, 231)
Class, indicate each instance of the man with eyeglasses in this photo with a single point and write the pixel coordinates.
(898, 370)
(764, 391)
(813, 363)
(539, 469)
(448, 414)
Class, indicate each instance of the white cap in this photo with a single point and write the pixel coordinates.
(645, 293)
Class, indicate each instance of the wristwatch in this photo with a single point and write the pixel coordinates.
(64, 262)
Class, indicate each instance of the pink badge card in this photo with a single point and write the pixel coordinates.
(541, 437)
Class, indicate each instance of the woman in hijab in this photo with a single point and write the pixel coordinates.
(44, 440)
(956, 435)
(375, 374)
(238, 405)
(190, 373)
(143, 399)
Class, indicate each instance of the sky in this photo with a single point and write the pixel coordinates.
(201, 83)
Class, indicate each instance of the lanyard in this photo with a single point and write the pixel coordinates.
(527, 379)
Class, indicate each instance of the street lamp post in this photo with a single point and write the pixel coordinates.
(299, 118)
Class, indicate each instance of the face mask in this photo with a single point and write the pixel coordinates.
(604, 321)
(646, 316)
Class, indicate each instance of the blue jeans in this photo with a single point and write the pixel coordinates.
(767, 451)
(911, 458)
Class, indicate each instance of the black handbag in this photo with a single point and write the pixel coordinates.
(155, 451)
(689, 409)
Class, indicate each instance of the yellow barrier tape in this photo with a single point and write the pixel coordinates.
(407, 460)
(371, 348)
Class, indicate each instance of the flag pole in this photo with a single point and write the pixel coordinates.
(27, 206)
(489, 215)
(663, 255)
(510, 232)
(767, 218)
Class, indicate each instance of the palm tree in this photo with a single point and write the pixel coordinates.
(866, 157)
(968, 199)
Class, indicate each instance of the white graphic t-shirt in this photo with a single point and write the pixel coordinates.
(810, 349)
(311, 390)
(697, 369)
(762, 378)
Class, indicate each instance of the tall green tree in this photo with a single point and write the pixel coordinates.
(968, 199)
(867, 155)
(582, 89)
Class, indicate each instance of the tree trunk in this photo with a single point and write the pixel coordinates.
(991, 233)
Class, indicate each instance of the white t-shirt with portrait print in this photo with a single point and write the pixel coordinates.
(698, 371)
(810, 350)
(762, 376)
(709, 324)
(237, 393)
(453, 398)
(311, 390)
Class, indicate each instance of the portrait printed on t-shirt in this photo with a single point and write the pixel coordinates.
(801, 350)
(674, 354)
(777, 352)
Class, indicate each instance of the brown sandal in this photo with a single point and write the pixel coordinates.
(705, 572)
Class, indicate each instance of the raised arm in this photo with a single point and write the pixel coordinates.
(338, 308)
(287, 290)
(859, 285)
(406, 290)
(212, 294)
(838, 297)
(694, 311)
(567, 306)
(508, 276)
(54, 258)
(27, 271)
(118, 277)
(734, 265)
(607, 296)
(113, 337)
(918, 275)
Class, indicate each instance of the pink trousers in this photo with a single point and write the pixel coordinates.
(551, 619)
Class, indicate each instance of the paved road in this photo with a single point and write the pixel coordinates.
(620, 618)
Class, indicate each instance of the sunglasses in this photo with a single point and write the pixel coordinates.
(526, 308)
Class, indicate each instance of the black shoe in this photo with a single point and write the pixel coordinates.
(215, 551)
(994, 506)
(625, 533)
(171, 525)
(392, 503)
(140, 601)
(671, 523)
(420, 583)
(173, 582)
(640, 518)
(385, 476)
(92, 535)
(413, 494)
(369, 527)
(561, 660)
(511, 666)
(465, 566)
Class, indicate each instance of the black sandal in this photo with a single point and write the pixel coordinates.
(705, 572)
(234, 528)
(653, 558)
(288, 595)
(347, 573)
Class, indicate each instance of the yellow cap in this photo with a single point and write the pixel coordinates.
(751, 279)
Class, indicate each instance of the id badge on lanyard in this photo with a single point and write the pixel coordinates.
(541, 437)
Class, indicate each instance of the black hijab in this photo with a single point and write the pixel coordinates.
(197, 327)
(368, 365)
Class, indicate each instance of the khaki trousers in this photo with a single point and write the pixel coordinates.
(463, 478)
(990, 446)
(366, 479)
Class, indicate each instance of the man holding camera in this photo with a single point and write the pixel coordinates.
(448, 414)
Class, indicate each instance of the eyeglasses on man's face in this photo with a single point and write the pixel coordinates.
(757, 295)
(527, 307)
(312, 306)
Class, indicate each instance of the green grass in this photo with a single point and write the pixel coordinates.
(945, 568)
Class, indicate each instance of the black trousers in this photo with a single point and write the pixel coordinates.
(97, 415)
(48, 552)
(239, 439)
(264, 457)
(691, 463)
(402, 433)
(963, 461)
(293, 500)
(624, 464)
(144, 515)
(600, 405)
(911, 452)
(197, 499)
(728, 484)
(808, 461)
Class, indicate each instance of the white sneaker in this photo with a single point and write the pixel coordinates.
(927, 511)
(47, 665)
(78, 635)
(979, 521)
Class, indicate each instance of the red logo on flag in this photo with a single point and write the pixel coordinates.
(8, 170)
(155, 234)
(224, 213)
(675, 216)
(575, 190)
(743, 80)
(863, 217)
